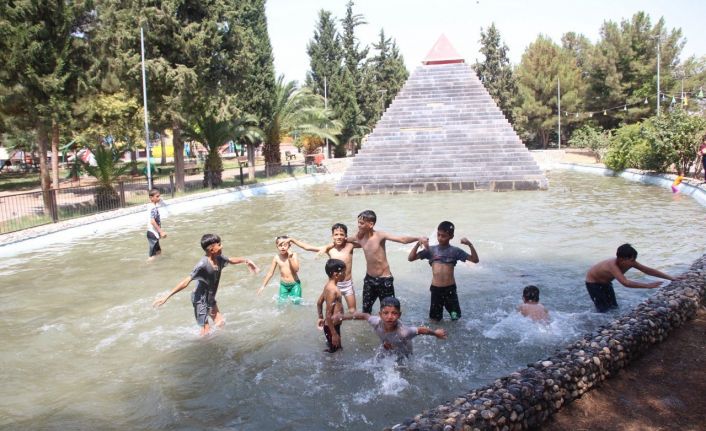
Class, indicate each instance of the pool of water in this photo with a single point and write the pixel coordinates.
(83, 349)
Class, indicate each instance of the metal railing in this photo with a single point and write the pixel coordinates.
(25, 210)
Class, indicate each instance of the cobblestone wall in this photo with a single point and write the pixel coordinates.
(526, 398)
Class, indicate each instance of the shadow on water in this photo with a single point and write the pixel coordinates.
(83, 349)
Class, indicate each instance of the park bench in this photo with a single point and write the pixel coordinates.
(191, 168)
(289, 156)
(243, 161)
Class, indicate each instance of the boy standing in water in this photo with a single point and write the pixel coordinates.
(442, 259)
(340, 248)
(378, 282)
(531, 307)
(599, 279)
(208, 275)
(394, 335)
(289, 285)
(336, 271)
(154, 226)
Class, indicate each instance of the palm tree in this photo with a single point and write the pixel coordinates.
(245, 131)
(107, 171)
(212, 133)
(300, 112)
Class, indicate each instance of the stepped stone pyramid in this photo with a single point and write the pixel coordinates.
(442, 132)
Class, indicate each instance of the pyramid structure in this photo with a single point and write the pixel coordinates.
(442, 132)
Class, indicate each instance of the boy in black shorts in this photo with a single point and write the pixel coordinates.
(443, 258)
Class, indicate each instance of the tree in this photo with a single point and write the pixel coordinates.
(495, 71)
(42, 44)
(674, 139)
(623, 66)
(543, 65)
(325, 55)
(106, 171)
(353, 55)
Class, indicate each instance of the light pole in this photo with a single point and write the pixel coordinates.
(659, 39)
(144, 101)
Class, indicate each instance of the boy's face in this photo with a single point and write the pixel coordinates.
(214, 249)
(283, 246)
(443, 237)
(390, 315)
(156, 198)
(365, 225)
(339, 237)
(340, 275)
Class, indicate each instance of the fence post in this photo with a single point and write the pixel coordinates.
(53, 207)
(241, 176)
(121, 187)
(171, 184)
(289, 167)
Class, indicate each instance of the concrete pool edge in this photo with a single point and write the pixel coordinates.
(132, 217)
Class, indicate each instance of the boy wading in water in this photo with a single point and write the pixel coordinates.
(378, 282)
(442, 259)
(599, 279)
(396, 337)
(336, 271)
(290, 288)
(531, 307)
(208, 274)
(154, 226)
(341, 248)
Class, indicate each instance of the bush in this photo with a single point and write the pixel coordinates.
(593, 138)
(628, 148)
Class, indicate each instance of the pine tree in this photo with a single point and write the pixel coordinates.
(325, 55)
(495, 71)
(388, 70)
(353, 55)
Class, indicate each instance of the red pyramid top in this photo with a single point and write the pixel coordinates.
(442, 53)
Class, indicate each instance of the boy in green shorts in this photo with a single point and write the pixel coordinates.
(290, 287)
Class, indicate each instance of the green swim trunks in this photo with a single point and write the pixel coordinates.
(290, 291)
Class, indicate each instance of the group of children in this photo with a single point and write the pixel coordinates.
(378, 282)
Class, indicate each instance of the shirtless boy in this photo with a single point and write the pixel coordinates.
(378, 282)
(289, 285)
(531, 307)
(601, 275)
(342, 249)
(443, 258)
(331, 296)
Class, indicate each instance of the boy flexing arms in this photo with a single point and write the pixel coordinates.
(378, 282)
(443, 258)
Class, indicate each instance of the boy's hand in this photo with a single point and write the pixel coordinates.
(465, 241)
(440, 333)
(254, 269)
(320, 323)
(424, 241)
(337, 318)
(654, 284)
(162, 234)
(259, 291)
(158, 302)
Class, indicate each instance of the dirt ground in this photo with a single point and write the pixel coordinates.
(664, 390)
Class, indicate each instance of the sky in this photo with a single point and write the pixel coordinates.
(416, 25)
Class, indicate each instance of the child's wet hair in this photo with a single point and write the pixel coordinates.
(531, 293)
(447, 227)
(208, 240)
(626, 251)
(341, 226)
(368, 215)
(333, 266)
(390, 301)
(154, 191)
(280, 238)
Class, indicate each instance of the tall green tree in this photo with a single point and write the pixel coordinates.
(43, 46)
(325, 55)
(622, 69)
(544, 64)
(495, 70)
(353, 55)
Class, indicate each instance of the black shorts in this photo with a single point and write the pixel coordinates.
(327, 333)
(153, 241)
(374, 288)
(602, 295)
(444, 297)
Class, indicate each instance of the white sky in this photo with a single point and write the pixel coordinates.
(416, 24)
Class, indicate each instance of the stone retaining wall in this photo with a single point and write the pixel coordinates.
(526, 398)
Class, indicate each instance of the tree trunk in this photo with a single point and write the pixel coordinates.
(178, 156)
(251, 161)
(164, 148)
(43, 142)
(55, 154)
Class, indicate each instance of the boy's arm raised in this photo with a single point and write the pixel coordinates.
(399, 238)
(182, 284)
(474, 254)
(438, 333)
(251, 265)
(304, 246)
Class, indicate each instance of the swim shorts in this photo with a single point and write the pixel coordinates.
(327, 333)
(444, 297)
(602, 295)
(374, 288)
(291, 291)
(153, 242)
(203, 304)
(346, 287)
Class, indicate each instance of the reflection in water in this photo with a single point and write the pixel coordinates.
(83, 349)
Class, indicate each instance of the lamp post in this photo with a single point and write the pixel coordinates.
(144, 101)
(659, 39)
